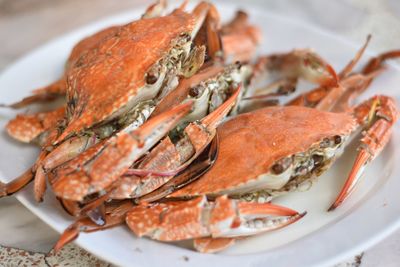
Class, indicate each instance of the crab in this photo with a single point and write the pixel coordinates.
(157, 153)
(34, 128)
(59, 88)
(282, 158)
(70, 180)
(270, 165)
(207, 95)
(76, 145)
(168, 158)
(276, 159)
(135, 86)
(161, 167)
(210, 85)
(207, 88)
(114, 211)
(287, 166)
(85, 175)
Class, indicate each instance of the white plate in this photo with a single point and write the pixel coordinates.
(320, 238)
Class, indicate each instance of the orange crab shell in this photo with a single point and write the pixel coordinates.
(110, 74)
(180, 214)
(251, 143)
(87, 43)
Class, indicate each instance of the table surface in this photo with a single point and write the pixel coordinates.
(25, 25)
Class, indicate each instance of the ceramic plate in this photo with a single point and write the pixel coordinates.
(320, 238)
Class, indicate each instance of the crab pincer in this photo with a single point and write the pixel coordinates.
(100, 169)
(286, 69)
(199, 218)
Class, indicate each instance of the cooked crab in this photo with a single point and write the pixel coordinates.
(75, 180)
(130, 85)
(58, 88)
(278, 156)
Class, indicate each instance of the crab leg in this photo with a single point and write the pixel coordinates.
(16, 184)
(77, 209)
(350, 66)
(239, 38)
(116, 156)
(323, 97)
(372, 69)
(336, 98)
(290, 67)
(222, 218)
(378, 114)
(298, 64)
(45, 94)
(115, 215)
(376, 62)
(21, 181)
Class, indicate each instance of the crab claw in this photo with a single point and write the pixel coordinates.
(253, 218)
(28, 127)
(117, 156)
(45, 94)
(300, 63)
(355, 174)
(382, 111)
(199, 217)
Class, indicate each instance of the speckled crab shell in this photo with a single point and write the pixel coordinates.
(110, 74)
(251, 143)
(87, 43)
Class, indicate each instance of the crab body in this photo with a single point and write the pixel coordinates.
(121, 70)
(275, 154)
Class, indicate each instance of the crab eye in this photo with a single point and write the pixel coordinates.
(195, 91)
(151, 78)
(330, 142)
(337, 139)
(281, 165)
